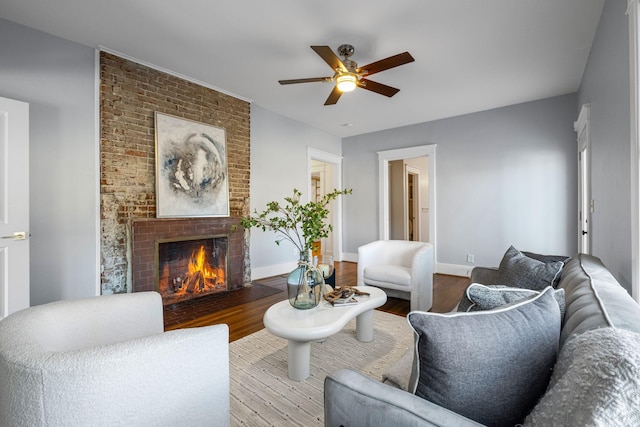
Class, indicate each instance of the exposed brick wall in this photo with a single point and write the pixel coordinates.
(130, 93)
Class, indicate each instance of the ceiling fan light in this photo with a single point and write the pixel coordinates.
(346, 82)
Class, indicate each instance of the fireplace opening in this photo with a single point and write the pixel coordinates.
(191, 267)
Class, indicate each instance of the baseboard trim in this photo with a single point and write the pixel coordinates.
(454, 269)
(350, 257)
(258, 273)
(441, 268)
(286, 268)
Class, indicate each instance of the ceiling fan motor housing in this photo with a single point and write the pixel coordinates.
(350, 65)
(345, 50)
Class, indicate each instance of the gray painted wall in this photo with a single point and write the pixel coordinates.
(605, 85)
(503, 177)
(56, 77)
(278, 165)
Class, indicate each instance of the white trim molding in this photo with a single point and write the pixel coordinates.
(97, 162)
(582, 127)
(454, 269)
(633, 12)
(349, 257)
(258, 273)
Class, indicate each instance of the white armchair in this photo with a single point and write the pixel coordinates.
(403, 268)
(105, 361)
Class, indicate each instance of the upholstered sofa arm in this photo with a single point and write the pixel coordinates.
(352, 399)
(484, 275)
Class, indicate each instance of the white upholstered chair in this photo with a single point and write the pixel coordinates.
(106, 361)
(404, 269)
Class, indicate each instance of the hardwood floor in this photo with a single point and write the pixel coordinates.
(246, 318)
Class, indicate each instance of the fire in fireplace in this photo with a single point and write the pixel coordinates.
(192, 267)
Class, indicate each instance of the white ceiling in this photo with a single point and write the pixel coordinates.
(470, 55)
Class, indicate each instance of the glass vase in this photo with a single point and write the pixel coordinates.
(304, 285)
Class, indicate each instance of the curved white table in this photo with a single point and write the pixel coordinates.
(302, 327)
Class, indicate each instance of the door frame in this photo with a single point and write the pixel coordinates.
(582, 128)
(336, 162)
(633, 12)
(384, 157)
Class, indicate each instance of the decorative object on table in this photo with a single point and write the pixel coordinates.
(344, 295)
(300, 224)
(327, 268)
(191, 169)
(304, 284)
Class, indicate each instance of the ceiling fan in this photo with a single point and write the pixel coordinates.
(347, 75)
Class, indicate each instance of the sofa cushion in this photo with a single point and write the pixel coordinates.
(520, 271)
(490, 366)
(595, 299)
(480, 297)
(596, 382)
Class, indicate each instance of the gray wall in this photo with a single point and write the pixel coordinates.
(503, 177)
(278, 165)
(56, 78)
(605, 85)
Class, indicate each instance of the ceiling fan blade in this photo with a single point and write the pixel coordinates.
(329, 57)
(385, 64)
(309, 80)
(333, 96)
(378, 87)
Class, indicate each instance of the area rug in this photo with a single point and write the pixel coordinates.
(263, 395)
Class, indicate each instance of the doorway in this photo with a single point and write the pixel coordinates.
(325, 174)
(412, 217)
(321, 184)
(428, 194)
(407, 181)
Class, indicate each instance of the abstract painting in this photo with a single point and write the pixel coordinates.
(191, 168)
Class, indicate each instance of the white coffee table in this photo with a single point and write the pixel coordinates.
(302, 327)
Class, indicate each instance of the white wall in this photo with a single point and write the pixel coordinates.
(56, 78)
(505, 176)
(605, 85)
(278, 165)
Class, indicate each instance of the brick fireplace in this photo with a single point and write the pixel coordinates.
(130, 94)
(162, 249)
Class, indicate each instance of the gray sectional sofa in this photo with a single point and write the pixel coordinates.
(595, 381)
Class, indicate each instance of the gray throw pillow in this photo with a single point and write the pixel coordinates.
(520, 271)
(490, 366)
(480, 297)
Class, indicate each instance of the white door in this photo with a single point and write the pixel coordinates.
(585, 204)
(14, 206)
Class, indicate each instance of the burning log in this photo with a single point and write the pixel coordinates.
(193, 281)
